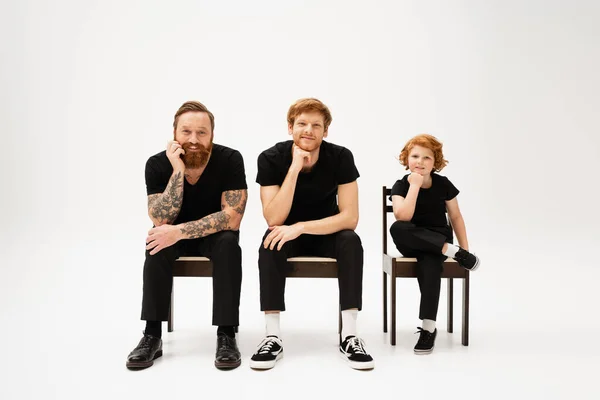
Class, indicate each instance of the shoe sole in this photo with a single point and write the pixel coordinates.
(476, 264)
(357, 364)
(227, 365)
(265, 364)
(146, 364)
(423, 352)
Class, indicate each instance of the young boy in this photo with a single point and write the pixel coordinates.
(420, 201)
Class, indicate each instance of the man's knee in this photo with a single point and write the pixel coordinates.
(163, 259)
(348, 243)
(348, 239)
(226, 240)
(265, 253)
(267, 257)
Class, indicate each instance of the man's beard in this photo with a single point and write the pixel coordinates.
(311, 146)
(196, 158)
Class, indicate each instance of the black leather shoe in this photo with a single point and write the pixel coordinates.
(228, 356)
(147, 350)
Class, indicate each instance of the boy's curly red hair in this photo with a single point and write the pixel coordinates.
(428, 141)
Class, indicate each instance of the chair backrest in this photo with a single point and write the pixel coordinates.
(387, 208)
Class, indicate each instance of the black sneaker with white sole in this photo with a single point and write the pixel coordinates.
(426, 341)
(353, 351)
(466, 260)
(268, 352)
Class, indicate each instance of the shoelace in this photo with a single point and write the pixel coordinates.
(424, 334)
(265, 346)
(146, 342)
(358, 346)
(224, 342)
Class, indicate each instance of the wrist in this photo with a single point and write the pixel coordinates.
(295, 169)
(301, 227)
(180, 232)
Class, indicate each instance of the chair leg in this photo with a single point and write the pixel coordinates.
(465, 318)
(385, 327)
(393, 332)
(450, 305)
(340, 325)
(170, 323)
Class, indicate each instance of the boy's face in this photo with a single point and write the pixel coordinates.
(308, 130)
(421, 160)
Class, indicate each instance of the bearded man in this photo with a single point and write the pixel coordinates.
(197, 195)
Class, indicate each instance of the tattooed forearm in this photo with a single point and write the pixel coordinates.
(236, 199)
(164, 208)
(208, 225)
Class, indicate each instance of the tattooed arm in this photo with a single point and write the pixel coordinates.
(233, 205)
(164, 207)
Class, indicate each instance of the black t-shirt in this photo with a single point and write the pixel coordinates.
(224, 171)
(315, 196)
(430, 210)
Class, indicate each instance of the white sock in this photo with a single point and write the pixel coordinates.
(349, 323)
(429, 325)
(451, 250)
(272, 324)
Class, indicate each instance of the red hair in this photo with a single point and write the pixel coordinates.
(430, 142)
(309, 105)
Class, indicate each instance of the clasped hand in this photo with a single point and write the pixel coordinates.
(280, 235)
(161, 237)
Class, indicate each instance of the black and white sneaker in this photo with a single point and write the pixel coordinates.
(268, 352)
(466, 260)
(426, 341)
(353, 351)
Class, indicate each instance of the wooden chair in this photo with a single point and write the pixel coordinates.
(301, 267)
(404, 267)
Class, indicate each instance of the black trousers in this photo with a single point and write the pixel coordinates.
(425, 244)
(345, 246)
(224, 251)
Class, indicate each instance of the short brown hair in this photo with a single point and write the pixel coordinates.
(193, 106)
(430, 142)
(309, 105)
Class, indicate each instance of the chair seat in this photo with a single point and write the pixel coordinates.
(300, 267)
(401, 259)
(414, 260)
(312, 267)
(192, 266)
(406, 267)
(311, 259)
(291, 259)
(193, 259)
